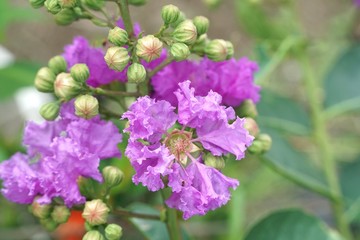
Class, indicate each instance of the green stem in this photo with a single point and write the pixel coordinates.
(321, 139)
(128, 214)
(101, 91)
(172, 223)
(160, 66)
(125, 15)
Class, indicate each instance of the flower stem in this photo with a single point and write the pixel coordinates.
(101, 91)
(160, 66)
(172, 223)
(129, 214)
(125, 15)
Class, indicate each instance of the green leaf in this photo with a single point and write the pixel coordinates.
(291, 224)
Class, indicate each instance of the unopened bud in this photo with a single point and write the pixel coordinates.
(251, 126)
(93, 235)
(40, 210)
(266, 141)
(50, 111)
(52, 6)
(60, 214)
(86, 106)
(149, 48)
(44, 80)
(117, 58)
(113, 232)
(230, 50)
(180, 51)
(67, 3)
(216, 50)
(181, 18)
(66, 87)
(199, 45)
(57, 64)
(170, 14)
(136, 73)
(112, 176)
(48, 224)
(202, 24)
(94, 4)
(214, 161)
(247, 109)
(66, 16)
(95, 212)
(256, 147)
(118, 36)
(37, 3)
(80, 72)
(185, 32)
(137, 2)
(212, 3)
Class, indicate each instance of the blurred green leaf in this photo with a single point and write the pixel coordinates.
(291, 224)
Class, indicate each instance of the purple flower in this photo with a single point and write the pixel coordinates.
(158, 149)
(357, 2)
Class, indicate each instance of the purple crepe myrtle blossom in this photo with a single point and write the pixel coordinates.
(58, 153)
(357, 2)
(158, 150)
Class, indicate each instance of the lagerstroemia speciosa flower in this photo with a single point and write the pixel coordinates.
(165, 145)
(58, 153)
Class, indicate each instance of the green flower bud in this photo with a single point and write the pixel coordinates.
(52, 6)
(113, 232)
(202, 24)
(48, 224)
(80, 72)
(60, 214)
(149, 48)
(180, 51)
(96, 212)
(37, 3)
(86, 106)
(44, 80)
(94, 4)
(251, 126)
(180, 19)
(199, 45)
(247, 109)
(256, 147)
(117, 58)
(170, 14)
(50, 111)
(118, 36)
(66, 87)
(214, 161)
(185, 32)
(212, 3)
(136, 73)
(137, 2)
(68, 3)
(40, 210)
(88, 227)
(266, 141)
(216, 50)
(230, 50)
(57, 64)
(66, 17)
(93, 235)
(112, 176)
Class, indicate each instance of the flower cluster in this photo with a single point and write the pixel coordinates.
(58, 153)
(167, 148)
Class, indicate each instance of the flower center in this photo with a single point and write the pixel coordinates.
(179, 143)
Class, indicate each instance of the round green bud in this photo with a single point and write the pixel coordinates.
(247, 109)
(88, 227)
(216, 50)
(80, 72)
(137, 2)
(266, 141)
(60, 214)
(113, 232)
(212, 3)
(41, 211)
(44, 80)
(214, 161)
(199, 45)
(181, 18)
(112, 176)
(180, 51)
(57, 64)
(66, 87)
(66, 16)
(149, 48)
(202, 24)
(185, 32)
(117, 58)
(68, 3)
(37, 3)
(48, 224)
(251, 126)
(93, 235)
(170, 13)
(52, 6)
(50, 111)
(136, 73)
(86, 106)
(230, 50)
(118, 36)
(256, 147)
(96, 212)
(94, 4)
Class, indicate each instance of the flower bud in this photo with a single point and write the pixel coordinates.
(212, 3)
(170, 14)
(137, 2)
(185, 32)
(94, 4)
(180, 51)
(66, 16)
(44, 80)
(180, 19)
(86, 106)
(48, 224)
(37, 3)
(60, 214)
(251, 126)
(50, 111)
(52, 6)
(202, 24)
(247, 109)
(216, 50)
(93, 235)
(95, 212)
(214, 161)
(149, 48)
(40, 210)
(256, 147)
(113, 232)
(67, 3)
(230, 50)
(112, 176)
(266, 141)
(80, 72)
(66, 87)
(57, 64)
(117, 58)
(118, 36)
(199, 45)
(136, 73)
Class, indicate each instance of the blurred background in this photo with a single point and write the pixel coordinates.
(267, 31)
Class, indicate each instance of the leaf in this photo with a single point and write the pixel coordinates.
(290, 224)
